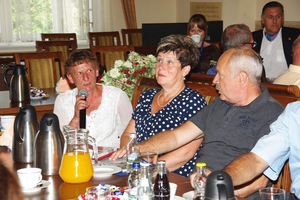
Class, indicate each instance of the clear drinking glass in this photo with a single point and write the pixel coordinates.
(271, 193)
(95, 192)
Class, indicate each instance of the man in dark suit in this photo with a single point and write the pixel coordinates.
(276, 52)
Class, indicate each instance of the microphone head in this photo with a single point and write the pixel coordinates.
(83, 93)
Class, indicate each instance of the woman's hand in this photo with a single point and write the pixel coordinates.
(118, 154)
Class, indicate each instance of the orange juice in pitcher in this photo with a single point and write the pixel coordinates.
(76, 165)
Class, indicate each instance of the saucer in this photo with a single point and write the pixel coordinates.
(36, 189)
(179, 198)
(104, 171)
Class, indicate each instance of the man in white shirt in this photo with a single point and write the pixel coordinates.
(292, 75)
(274, 42)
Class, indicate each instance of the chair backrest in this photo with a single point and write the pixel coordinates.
(282, 93)
(284, 179)
(59, 36)
(207, 91)
(111, 38)
(132, 37)
(65, 46)
(5, 60)
(44, 68)
(107, 56)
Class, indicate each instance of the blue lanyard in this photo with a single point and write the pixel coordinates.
(201, 49)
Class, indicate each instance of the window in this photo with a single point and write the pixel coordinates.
(25, 20)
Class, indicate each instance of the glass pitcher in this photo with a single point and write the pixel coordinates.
(76, 165)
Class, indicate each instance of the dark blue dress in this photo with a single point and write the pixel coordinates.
(178, 111)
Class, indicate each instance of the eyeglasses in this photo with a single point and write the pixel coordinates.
(253, 44)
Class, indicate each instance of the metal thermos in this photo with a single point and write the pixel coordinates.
(19, 90)
(48, 145)
(25, 128)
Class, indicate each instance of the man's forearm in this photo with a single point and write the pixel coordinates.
(160, 143)
(243, 169)
(169, 140)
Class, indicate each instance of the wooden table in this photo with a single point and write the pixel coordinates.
(58, 189)
(42, 106)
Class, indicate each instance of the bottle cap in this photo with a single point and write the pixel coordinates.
(132, 135)
(145, 163)
(161, 162)
(136, 165)
(200, 164)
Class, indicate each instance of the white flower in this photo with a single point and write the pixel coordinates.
(128, 64)
(114, 73)
(152, 58)
(118, 63)
(132, 55)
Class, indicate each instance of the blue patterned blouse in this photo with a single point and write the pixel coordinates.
(178, 111)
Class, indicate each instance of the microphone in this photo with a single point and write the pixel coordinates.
(82, 113)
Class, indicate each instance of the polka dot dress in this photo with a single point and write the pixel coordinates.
(178, 111)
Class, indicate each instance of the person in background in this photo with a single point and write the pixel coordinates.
(236, 35)
(197, 25)
(232, 123)
(9, 182)
(272, 151)
(292, 75)
(167, 108)
(108, 108)
(274, 42)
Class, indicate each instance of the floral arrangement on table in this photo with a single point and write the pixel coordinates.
(125, 74)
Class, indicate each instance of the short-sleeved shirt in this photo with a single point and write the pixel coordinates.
(230, 131)
(178, 111)
(282, 143)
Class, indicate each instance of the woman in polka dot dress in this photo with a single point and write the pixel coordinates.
(165, 109)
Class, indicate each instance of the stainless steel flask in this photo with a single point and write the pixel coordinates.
(48, 145)
(19, 90)
(25, 128)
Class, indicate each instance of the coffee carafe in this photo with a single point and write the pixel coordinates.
(219, 186)
(25, 128)
(48, 145)
(19, 90)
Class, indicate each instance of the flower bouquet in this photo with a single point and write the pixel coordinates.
(125, 74)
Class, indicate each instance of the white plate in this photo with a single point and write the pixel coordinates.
(188, 195)
(101, 171)
(36, 98)
(179, 198)
(36, 189)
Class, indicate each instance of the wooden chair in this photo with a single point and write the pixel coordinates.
(207, 91)
(104, 38)
(282, 93)
(132, 37)
(284, 180)
(65, 46)
(5, 60)
(107, 55)
(60, 36)
(44, 68)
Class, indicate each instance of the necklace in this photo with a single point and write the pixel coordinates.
(169, 100)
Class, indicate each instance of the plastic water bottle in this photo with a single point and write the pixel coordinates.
(133, 180)
(199, 181)
(145, 191)
(132, 151)
(162, 186)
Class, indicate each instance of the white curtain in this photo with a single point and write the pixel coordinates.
(30, 18)
(6, 24)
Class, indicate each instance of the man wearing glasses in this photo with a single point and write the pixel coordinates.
(236, 35)
(274, 42)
